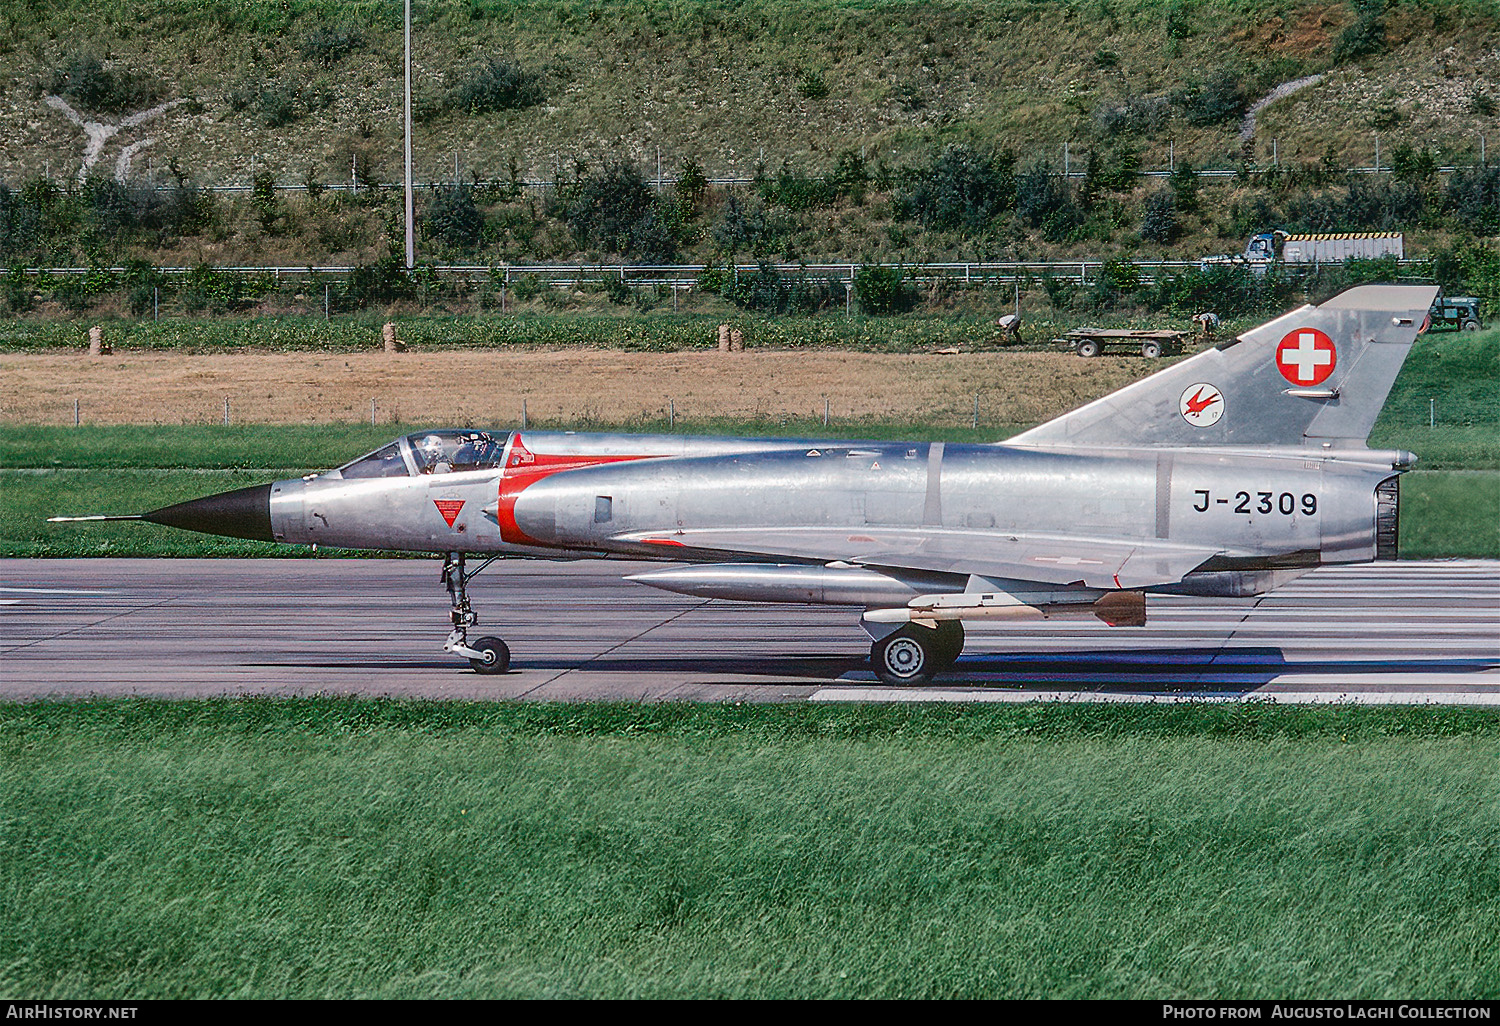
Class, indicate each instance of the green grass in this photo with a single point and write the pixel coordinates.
(331, 848)
(622, 329)
(190, 447)
(1450, 513)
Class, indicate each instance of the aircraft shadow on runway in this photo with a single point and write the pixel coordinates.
(1125, 670)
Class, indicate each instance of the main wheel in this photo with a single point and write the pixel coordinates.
(949, 643)
(1150, 350)
(908, 656)
(496, 656)
(1088, 348)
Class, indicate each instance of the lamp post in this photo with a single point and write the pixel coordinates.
(411, 248)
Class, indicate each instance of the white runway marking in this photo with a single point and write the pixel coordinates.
(1272, 697)
(60, 591)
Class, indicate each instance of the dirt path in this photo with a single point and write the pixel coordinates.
(1247, 125)
(569, 386)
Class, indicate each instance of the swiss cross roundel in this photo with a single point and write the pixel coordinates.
(1306, 357)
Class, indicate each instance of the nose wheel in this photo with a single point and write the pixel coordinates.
(495, 656)
(487, 654)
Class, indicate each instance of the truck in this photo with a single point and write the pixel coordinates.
(1454, 313)
(1272, 247)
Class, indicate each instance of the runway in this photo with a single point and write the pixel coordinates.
(1380, 633)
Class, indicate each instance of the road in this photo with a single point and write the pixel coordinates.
(1392, 632)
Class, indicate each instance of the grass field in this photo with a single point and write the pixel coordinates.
(333, 848)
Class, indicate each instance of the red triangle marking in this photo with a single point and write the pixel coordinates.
(449, 508)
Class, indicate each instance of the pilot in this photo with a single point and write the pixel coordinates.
(434, 459)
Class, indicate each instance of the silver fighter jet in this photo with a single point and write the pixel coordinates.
(1227, 474)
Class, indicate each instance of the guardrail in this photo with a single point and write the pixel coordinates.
(972, 273)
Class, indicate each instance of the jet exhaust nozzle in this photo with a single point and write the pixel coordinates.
(242, 513)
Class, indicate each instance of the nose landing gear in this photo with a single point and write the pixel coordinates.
(487, 654)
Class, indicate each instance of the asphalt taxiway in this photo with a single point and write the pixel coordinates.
(1384, 632)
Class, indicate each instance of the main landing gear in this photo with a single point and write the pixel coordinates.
(487, 654)
(914, 653)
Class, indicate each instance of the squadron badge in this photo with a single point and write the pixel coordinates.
(1201, 405)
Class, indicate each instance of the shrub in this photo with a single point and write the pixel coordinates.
(276, 105)
(527, 286)
(812, 86)
(742, 225)
(263, 199)
(692, 183)
(382, 282)
(715, 279)
(1213, 101)
(654, 237)
(1178, 25)
(1059, 290)
(1160, 221)
(1184, 183)
(850, 176)
(121, 211)
(17, 289)
(1473, 194)
(1365, 38)
(769, 291)
(883, 290)
(603, 207)
(498, 84)
(1136, 115)
(963, 189)
(328, 44)
(616, 289)
(1041, 193)
(1230, 290)
(453, 218)
(140, 281)
(83, 79)
(1119, 170)
(795, 190)
(73, 293)
(1409, 164)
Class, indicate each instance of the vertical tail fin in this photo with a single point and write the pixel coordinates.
(1317, 376)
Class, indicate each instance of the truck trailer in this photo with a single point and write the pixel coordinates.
(1268, 248)
(1334, 248)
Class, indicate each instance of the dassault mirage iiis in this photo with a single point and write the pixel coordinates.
(1227, 474)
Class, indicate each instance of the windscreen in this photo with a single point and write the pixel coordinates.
(386, 462)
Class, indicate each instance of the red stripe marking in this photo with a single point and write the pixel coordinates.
(524, 468)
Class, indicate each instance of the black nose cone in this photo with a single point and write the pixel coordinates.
(243, 513)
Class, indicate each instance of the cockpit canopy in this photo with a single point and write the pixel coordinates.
(431, 452)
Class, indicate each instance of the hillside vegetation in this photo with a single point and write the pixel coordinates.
(866, 130)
